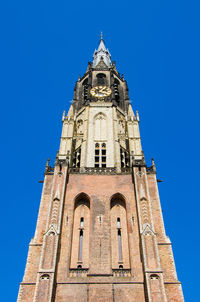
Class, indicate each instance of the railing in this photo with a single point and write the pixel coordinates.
(78, 272)
(122, 272)
(101, 170)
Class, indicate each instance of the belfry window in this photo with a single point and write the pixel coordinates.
(101, 79)
(85, 89)
(100, 155)
(124, 155)
(76, 158)
(116, 89)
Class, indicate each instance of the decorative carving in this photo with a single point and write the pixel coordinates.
(79, 127)
(121, 124)
(100, 171)
(101, 66)
(100, 127)
(122, 272)
(52, 229)
(78, 272)
(147, 230)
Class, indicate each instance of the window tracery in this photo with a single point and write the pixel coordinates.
(100, 155)
(100, 127)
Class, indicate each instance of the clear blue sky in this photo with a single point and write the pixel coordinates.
(45, 45)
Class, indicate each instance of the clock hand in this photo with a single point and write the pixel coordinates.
(102, 89)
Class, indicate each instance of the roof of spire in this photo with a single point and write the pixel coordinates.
(101, 54)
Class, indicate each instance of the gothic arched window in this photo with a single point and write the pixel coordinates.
(119, 234)
(80, 240)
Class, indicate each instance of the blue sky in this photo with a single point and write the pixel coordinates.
(45, 45)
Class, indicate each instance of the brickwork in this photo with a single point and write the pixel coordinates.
(100, 233)
(100, 245)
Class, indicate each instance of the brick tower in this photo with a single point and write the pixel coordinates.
(100, 234)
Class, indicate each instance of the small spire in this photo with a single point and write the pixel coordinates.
(101, 54)
(153, 164)
(47, 164)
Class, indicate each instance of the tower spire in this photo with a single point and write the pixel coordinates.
(101, 54)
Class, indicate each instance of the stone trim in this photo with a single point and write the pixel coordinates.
(101, 171)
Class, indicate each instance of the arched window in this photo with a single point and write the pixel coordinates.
(101, 79)
(119, 234)
(81, 229)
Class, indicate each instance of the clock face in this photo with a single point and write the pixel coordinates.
(100, 91)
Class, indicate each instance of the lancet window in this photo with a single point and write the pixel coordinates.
(119, 239)
(100, 127)
(80, 240)
(119, 234)
(80, 252)
(100, 155)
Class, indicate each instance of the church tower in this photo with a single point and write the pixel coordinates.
(100, 234)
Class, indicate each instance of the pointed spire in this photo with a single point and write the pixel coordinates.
(101, 54)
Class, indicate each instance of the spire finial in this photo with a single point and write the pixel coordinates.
(101, 35)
